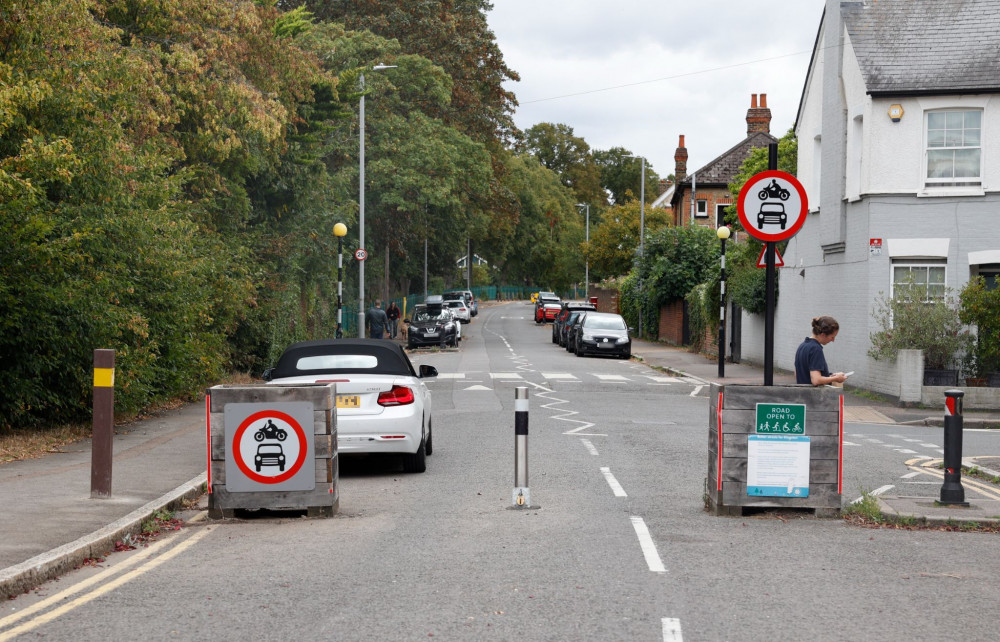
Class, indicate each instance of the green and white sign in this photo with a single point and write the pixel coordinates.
(781, 419)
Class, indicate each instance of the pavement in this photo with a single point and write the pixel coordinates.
(51, 524)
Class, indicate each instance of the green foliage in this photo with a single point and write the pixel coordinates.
(907, 321)
(700, 314)
(614, 242)
(621, 173)
(568, 155)
(679, 258)
(980, 306)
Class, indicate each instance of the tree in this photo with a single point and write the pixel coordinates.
(568, 155)
(614, 242)
(621, 172)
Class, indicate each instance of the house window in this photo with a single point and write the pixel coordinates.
(991, 275)
(720, 215)
(701, 211)
(954, 148)
(926, 277)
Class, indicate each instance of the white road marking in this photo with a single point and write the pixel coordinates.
(930, 445)
(478, 388)
(451, 375)
(648, 547)
(662, 379)
(589, 446)
(557, 375)
(505, 375)
(850, 443)
(906, 451)
(877, 491)
(909, 475)
(607, 377)
(615, 486)
(697, 389)
(671, 630)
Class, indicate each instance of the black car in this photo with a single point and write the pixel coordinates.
(559, 323)
(571, 330)
(603, 333)
(565, 325)
(431, 325)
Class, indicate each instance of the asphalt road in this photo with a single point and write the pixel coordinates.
(618, 548)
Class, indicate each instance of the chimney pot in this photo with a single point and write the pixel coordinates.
(758, 118)
(763, 101)
(681, 143)
(753, 101)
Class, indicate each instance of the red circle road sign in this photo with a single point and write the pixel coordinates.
(360, 254)
(772, 206)
(243, 448)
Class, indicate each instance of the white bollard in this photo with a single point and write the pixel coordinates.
(521, 497)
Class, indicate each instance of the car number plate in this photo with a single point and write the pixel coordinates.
(605, 345)
(348, 401)
(431, 334)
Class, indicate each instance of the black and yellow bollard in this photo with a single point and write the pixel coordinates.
(103, 424)
(952, 491)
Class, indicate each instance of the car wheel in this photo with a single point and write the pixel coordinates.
(454, 341)
(429, 441)
(416, 462)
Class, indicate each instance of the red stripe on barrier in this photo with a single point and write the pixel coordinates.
(718, 472)
(208, 438)
(949, 406)
(840, 449)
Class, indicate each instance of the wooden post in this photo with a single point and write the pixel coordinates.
(103, 424)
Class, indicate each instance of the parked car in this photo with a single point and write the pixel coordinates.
(603, 333)
(565, 326)
(460, 309)
(383, 405)
(559, 322)
(572, 328)
(470, 299)
(432, 325)
(547, 310)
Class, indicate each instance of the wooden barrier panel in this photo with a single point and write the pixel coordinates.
(733, 420)
(321, 498)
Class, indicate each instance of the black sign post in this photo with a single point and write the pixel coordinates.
(771, 198)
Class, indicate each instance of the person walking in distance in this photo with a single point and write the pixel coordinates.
(810, 364)
(376, 320)
(392, 312)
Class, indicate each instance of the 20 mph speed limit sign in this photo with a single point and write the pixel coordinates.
(772, 206)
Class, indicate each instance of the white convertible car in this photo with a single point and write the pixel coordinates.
(383, 405)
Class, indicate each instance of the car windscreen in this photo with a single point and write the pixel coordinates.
(342, 356)
(604, 323)
(427, 316)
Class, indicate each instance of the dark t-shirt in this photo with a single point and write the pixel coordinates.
(376, 320)
(809, 357)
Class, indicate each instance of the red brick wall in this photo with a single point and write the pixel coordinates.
(714, 196)
(672, 322)
(607, 300)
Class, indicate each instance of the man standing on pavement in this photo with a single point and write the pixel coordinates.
(393, 313)
(376, 320)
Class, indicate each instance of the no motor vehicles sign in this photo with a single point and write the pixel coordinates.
(269, 446)
(772, 206)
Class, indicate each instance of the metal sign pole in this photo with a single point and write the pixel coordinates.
(772, 163)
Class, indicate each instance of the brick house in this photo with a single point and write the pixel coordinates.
(711, 198)
(899, 151)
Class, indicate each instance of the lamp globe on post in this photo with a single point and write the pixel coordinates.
(340, 231)
(723, 234)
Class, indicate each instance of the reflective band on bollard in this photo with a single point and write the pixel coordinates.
(521, 497)
(952, 491)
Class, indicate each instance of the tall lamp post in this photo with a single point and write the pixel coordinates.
(642, 236)
(723, 234)
(361, 207)
(586, 270)
(340, 230)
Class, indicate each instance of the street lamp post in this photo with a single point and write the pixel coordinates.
(723, 234)
(586, 269)
(642, 237)
(361, 206)
(340, 230)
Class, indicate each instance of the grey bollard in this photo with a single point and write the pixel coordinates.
(952, 491)
(521, 497)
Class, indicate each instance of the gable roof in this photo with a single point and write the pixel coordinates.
(924, 47)
(726, 166)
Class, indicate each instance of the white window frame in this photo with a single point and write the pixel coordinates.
(701, 208)
(952, 182)
(720, 214)
(921, 264)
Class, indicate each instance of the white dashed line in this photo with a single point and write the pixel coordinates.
(607, 377)
(672, 630)
(615, 486)
(589, 446)
(648, 547)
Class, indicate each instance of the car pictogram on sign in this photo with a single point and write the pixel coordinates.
(269, 455)
(772, 214)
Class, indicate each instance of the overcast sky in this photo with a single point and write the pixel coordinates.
(637, 73)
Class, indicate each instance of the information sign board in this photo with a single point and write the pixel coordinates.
(781, 418)
(778, 465)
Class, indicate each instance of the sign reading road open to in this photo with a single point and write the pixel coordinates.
(781, 418)
(772, 206)
(269, 446)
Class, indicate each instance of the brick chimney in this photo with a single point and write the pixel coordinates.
(758, 118)
(680, 161)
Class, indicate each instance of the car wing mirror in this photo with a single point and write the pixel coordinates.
(267, 374)
(427, 371)
(631, 330)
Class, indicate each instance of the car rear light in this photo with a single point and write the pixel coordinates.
(398, 396)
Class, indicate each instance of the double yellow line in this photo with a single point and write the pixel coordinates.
(929, 467)
(143, 563)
